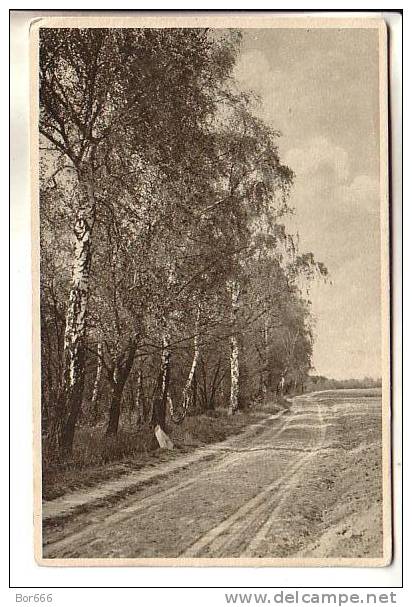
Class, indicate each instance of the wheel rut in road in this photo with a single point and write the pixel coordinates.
(271, 494)
(224, 455)
(260, 513)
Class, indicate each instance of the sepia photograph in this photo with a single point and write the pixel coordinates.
(210, 252)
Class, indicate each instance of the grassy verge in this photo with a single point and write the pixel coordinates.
(97, 459)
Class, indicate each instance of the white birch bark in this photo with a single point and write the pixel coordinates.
(73, 370)
(96, 386)
(162, 438)
(187, 390)
(188, 387)
(165, 362)
(76, 311)
(234, 288)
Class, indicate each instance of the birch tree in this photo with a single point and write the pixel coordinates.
(101, 103)
(172, 194)
(234, 290)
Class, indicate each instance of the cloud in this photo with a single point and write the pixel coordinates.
(360, 196)
(337, 215)
(274, 86)
(316, 154)
(324, 183)
(252, 70)
(320, 89)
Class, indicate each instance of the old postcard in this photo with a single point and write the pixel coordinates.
(211, 290)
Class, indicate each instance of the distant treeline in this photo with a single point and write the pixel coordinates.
(319, 382)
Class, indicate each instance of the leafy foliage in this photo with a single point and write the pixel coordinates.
(186, 191)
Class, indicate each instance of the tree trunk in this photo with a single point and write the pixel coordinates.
(71, 393)
(161, 393)
(188, 389)
(115, 402)
(138, 400)
(211, 398)
(96, 386)
(195, 391)
(265, 378)
(119, 377)
(234, 375)
(189, 384)
(203, 386)
(234, 350)
(187, 393)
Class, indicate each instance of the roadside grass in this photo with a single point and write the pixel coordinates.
(97, 458)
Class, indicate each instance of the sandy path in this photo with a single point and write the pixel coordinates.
(276, 494)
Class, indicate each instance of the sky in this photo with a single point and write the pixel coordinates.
(320, 88)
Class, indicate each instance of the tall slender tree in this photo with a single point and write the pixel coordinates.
(110, 100)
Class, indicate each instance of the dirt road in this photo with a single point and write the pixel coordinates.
(308, 484)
